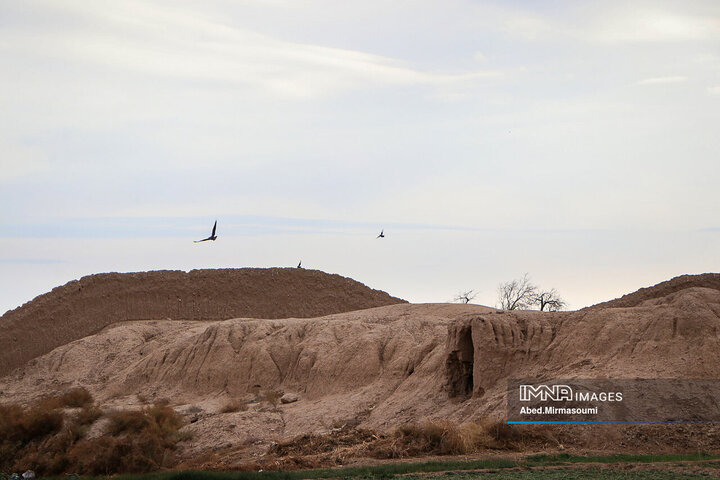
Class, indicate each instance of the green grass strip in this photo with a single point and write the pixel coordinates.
(391, 469)
(561, 458)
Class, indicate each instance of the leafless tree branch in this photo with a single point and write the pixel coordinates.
(465, 297)
(518, 294)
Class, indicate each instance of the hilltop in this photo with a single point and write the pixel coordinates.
(86, 306)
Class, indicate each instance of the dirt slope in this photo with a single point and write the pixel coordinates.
(85, 306)
(341, 366)
(705, 280)
(379, 367)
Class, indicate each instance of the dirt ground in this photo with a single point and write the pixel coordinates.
(352, 376)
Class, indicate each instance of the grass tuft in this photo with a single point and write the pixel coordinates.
(234, 406)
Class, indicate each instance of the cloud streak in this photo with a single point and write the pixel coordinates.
(141, 38)
(663, 80)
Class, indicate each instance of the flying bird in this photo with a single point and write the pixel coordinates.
(299, 264)
(211, 237)
(382, 234)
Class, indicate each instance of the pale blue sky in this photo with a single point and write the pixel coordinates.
(576, 141)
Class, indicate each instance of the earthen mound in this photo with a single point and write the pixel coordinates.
(383, 367)
(83, 307)
(663, 289)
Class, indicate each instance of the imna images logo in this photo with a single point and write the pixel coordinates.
(555, 393)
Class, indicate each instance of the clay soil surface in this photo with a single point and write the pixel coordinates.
(367, 377)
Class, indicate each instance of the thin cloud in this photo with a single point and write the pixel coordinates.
(662, 80)
(630, 25)
(30, 261)
(173, 43)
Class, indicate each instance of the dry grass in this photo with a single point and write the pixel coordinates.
(22, 425)
(77, 398)
(50, 441)
(437, 437)
(271, 396)
(127, 421)
(234, 406)
(88, 415)
(432, 438)
(311, 444)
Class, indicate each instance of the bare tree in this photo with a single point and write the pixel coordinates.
(550, 300)
(518, 294)
(465, 297)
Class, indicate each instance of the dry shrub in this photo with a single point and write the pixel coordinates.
(271, 396)
(74, 398)
(50, 444)
(88, 415)
(23, 425)
(166, 419)
(519, 437)
(159, 420)
(23, 429)
(142, 441)
(438, 437)
(50, 403)
(430, 437)
(127, 421)
(310, 444)
(128, 453)
(184, 435)
(77, 398)
(234, 406)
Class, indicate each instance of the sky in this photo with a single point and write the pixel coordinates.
(574, 141)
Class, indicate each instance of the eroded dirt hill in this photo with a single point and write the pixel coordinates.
(83, 307)
(705, 280)
(381, 367)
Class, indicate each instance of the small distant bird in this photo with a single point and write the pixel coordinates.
(382, 234)
(211, 237)
(299, 264)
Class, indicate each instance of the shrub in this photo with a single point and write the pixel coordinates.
(234, 406)
(438, 438)
(87, 415)
(127, 421)
(271, 396)
(43, 439)
(37, 422)
(50, 403)
(76, 398)
(166, 419)
(23, 428)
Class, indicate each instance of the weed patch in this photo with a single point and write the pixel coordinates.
(44, 438)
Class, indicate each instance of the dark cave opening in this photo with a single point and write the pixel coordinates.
(459, 364)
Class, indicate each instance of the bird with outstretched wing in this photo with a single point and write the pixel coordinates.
(211, 237)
